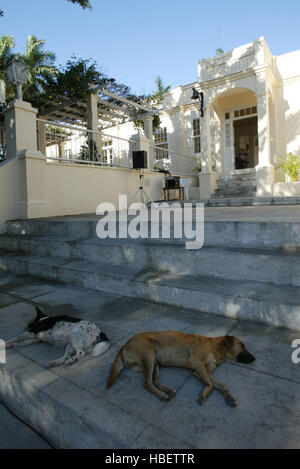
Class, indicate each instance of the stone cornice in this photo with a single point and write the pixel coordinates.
(288, 81)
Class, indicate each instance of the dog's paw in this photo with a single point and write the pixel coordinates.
(201, 400)
(50, 365)
(70, 361)
(230, 400)
(169, 396)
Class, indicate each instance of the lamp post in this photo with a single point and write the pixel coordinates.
(17, 73)
(200, 96)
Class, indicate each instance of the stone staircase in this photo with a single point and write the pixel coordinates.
(247, 270)
(240, 183)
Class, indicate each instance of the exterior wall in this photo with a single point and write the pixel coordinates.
(72, 189)
(287, 104)
(10, 191)
(247, 75)
(30, 187)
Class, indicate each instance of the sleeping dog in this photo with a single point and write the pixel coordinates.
(80, 337)
(147, 351)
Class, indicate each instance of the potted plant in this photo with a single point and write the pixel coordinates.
(291, 166)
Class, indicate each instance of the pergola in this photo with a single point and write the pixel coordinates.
(103, 109)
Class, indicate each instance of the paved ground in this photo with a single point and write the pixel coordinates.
(72, 405)
(280, 213)
(14, 434)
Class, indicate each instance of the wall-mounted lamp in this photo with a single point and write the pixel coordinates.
(200, 96)
(17, 73)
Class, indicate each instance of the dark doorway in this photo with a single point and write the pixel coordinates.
(245, 143)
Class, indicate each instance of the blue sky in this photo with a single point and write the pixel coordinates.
(135, 40)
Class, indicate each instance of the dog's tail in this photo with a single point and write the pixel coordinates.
(116, 368)
(101, 346)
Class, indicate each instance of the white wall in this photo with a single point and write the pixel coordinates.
(10, 190)
(30, 187)
(72, 189)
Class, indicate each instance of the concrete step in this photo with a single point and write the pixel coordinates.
(71, 407)
(248, 201)
(278, 266)
(257, 301)
(236, 184)
(257, 233)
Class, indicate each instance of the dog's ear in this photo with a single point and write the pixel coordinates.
(39, 314)
(229, 341)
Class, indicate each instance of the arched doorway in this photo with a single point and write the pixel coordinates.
(237, 112)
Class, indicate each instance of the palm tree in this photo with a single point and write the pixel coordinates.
(40, 66)
(160, 89)
(7, 43)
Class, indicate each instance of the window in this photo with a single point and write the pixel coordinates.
(107, 150)
(244, 112)
(227, 135)
(196, 135)
(161, 141)
(68, 154)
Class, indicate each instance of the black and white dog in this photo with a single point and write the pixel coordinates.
(80, 337)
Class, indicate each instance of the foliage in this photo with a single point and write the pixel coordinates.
(290, 165)
(74, 81)
(219, 51)
(89, 150)
(63, 134)
(83, 3)
(40, 65)
(198, 168)
(7, 44)
(153, 100)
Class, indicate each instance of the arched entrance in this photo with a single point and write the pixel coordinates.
(237, 112)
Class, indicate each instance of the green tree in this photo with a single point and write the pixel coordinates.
(153, 100)
(40, 67)
(7, 43)
(74, 82)
(83, 3)
(160, 89)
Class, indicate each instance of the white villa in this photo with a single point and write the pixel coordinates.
(251, 118)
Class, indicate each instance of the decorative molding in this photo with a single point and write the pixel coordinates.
(36, 155)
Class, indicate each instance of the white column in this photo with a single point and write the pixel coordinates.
(205, 141)
(148, 130)
(264, 170)
(20, 127)
(92, 124)
(42, 137)
(207, 178)
(263, 124)
(21, 133)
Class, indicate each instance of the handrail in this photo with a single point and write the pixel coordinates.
(83, 129)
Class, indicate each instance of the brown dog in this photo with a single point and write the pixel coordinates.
(144, 352)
